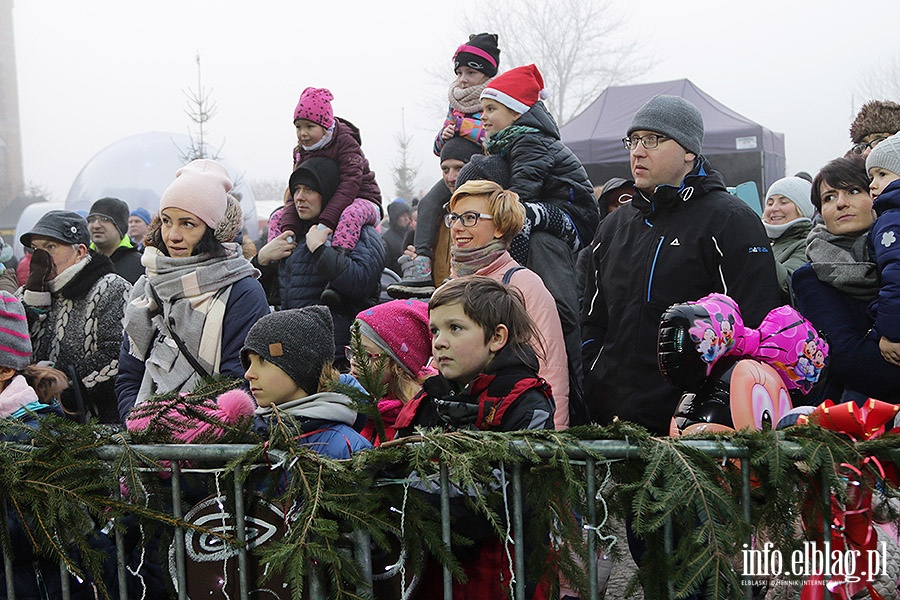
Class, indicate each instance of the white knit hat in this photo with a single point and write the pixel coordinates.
(886, 155)
(798, 191)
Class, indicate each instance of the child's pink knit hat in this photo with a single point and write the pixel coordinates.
(315, 106)
(518, 89)
(400, 328)
(201, 188)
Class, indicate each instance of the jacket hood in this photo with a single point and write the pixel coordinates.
(327, 406)
(540, 118)
(700, 181)
(889, 198)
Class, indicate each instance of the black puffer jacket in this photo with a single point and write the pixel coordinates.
(676, 246)
(544, 169)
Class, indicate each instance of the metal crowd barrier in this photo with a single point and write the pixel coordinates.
(609, 449)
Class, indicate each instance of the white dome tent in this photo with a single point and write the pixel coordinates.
(139, 168)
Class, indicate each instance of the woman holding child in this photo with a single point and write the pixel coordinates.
(189, 314)
(836, 288)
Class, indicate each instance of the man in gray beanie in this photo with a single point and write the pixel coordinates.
(682, 236)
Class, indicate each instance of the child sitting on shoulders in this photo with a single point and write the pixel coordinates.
(883, 167)
(399, 330)
(357, 201)
(549, 178)
(461, 136)
(288, 356)
(474, 63)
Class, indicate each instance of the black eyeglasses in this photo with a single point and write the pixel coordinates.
(468, 218)
(101, 218)
(861, 147)
(650, 141)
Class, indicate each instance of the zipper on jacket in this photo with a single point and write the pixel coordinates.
(653, 265)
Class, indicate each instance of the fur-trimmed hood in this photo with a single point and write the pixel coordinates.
(875, 116)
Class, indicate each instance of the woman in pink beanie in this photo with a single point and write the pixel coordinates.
(398, 329)
(188, 315)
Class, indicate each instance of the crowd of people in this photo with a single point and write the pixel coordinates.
(522, 300)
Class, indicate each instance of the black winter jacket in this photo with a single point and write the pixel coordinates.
(544, 169)
(676, 246)
(303, 275)
(531, 408)
(127, 263)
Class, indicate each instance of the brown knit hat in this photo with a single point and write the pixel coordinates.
(875, 116)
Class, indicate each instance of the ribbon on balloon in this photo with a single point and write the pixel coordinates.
(852, 526)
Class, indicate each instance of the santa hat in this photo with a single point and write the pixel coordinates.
(518, 89)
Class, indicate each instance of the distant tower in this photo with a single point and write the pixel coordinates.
(11, 174)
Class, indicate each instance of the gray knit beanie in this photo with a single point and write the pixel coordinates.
(491, 168)
(299, 341)
(886, 155)
(798, 191)
(672, 116)
(15, 341)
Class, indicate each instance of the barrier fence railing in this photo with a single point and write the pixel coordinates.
(216, 461)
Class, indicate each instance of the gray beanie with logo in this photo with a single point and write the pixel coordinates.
(674, 117)
(299, 341)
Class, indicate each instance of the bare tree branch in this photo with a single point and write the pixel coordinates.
(580, 46)
(880, 80)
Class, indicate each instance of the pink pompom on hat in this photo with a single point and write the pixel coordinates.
(400, 328)
(315, 106)
(201, 188)
(518, 89)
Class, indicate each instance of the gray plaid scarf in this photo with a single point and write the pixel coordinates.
(842, 261)
(193, 292)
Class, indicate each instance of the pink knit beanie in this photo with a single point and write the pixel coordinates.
(315, 106)
(400, 328)
(201, 188)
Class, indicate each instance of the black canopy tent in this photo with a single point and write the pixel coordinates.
(740, 149)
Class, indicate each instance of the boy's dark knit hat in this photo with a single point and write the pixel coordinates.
(15, 341)
(115, 209)
(63, 225)
(672, 116)
(458, 148)
(886, 155)
(299, 341)
(491, 168)
(480, 53)
(317, 173)
(875, 116)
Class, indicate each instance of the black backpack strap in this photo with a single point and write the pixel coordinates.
(509, 273)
